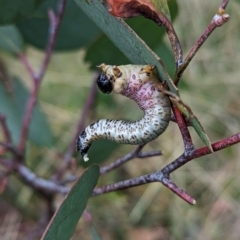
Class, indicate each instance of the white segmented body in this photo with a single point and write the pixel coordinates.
(138, 83)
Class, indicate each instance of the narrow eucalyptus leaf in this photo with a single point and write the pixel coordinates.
(65, 219)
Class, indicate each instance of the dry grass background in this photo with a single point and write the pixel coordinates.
(151, 212)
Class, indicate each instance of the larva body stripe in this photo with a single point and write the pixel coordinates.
(138, 83)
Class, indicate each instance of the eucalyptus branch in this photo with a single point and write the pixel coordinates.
(173, 38)
(136, 153)
(37, 183)
(176, 45)
(50, 187)
(163, 175)
(218, 20)
(37, 78)
(167, 182)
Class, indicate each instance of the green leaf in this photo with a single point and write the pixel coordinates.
(67, 216)
(12, 11)
(8, 108)
(103, 50)
(167, 57)
(124, 38)
(10, 39)
(40, 132)
(76, 29)
(194, 121)
(200, 131)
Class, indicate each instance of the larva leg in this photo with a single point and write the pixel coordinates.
(138, 83)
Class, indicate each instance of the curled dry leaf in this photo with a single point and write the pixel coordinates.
(157, 10)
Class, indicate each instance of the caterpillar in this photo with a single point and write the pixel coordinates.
(139, 83)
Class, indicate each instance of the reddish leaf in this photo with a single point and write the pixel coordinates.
(157, 10)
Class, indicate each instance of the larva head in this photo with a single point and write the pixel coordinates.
(110, 79)
(104, 84)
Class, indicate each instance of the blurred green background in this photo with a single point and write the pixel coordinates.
(210, 86)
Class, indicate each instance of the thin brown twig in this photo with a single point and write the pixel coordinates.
(218, 20)
(37, 78)
(187, 140)
(162, 20)
(167, 182)
(136, 153)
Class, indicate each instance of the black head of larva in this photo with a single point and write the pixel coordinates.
(104, 84)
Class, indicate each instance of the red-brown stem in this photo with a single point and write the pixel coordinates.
(176, 46)
(193, 52)
(167, 182)
(197, 45)
(72, 146)
(183, 159)
(187, 140)
(37, 78)
(224, 4)
(6, 131)
(173, 38)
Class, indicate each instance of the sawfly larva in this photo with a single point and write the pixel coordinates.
(138, 83)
